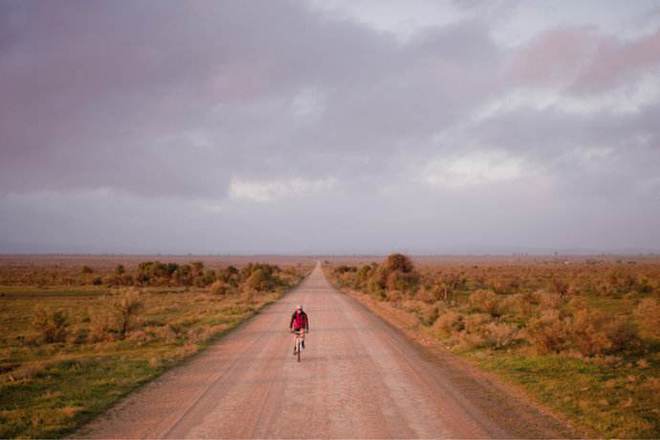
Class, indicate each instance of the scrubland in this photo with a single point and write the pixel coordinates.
(580, 335)
(77, 337)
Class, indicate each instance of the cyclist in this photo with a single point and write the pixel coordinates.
(299, 325)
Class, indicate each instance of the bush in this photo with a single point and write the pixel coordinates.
(647, 314)
(52, 326)
(126, 307)
(426, 295)
(344, 268)
(549, 332)
(375, 288)
(425, 313)
(623, 335)
(550, 301)
(398, 262)
(588, 332)
(519, 306)
(260, 280)
(401, 281)
(475, 322)
(449, 322)
(220, 288)
(500, 335)
(103, 325)
(485, 301)
(594, 333)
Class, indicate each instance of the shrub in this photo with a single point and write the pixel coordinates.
(588, 332)
(103, 325)
(220, 288)
(475, 322)
(426, 295)
(126, 307)
(398, 262)
(518, 306)
(449, 322)
(549, 332)
(623, 335)
(344, 268)
(550, 301)
(86, 270)
(647, 314)
(401, 281)
(425, 313)
(500, 335)
(560, 287)
(197, 268)
(260, 280)
(593, 333)
(52, 326)
(375, 288)
(467, 341)
(484, 301)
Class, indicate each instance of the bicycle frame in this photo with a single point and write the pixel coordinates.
(300, 337)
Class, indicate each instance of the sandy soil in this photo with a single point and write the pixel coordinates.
(359, 378)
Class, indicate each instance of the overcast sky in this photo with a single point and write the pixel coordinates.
(329, 126)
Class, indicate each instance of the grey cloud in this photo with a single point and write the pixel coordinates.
(141, 115)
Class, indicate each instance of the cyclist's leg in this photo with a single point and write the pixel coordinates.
(296, 335)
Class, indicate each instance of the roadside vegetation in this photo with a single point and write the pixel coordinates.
(76, 339)
(582, 336)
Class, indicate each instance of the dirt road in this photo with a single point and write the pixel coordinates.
(359, 378)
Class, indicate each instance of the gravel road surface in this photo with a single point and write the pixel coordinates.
(359, 378)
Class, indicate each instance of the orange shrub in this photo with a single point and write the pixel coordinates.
(647, 314)
(449, 322)
(220, 288)
(485, 301)
(500, 335)
(549, 332)
(475, 322)
(589, 332)
(51, 325)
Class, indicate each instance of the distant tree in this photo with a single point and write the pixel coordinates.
(398, 262)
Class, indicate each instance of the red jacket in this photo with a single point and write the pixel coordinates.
(299, 320)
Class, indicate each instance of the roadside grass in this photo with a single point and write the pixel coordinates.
(616, 401)
(49, 389)
(581, 339)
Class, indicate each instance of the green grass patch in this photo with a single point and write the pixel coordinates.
(616, 399)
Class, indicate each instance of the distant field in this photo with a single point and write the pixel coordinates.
(106, 262)
(580, 334)
(80, 332)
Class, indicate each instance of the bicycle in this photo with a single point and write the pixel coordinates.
(299, 343)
